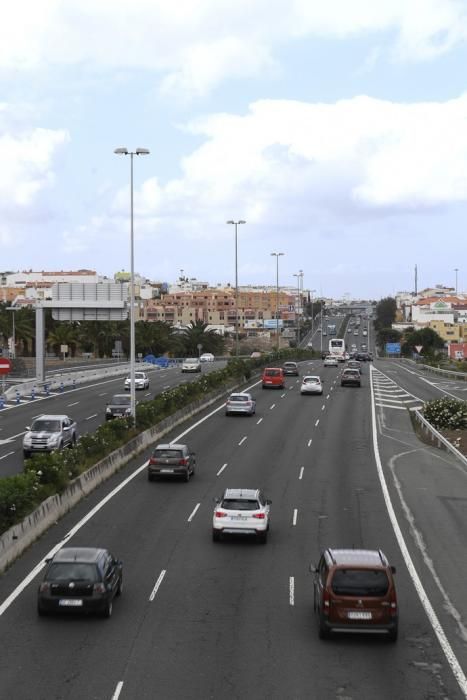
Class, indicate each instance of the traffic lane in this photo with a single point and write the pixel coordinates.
(160, 520)
(429, 489)
(84, 404)
(430, 386)
(346, 508)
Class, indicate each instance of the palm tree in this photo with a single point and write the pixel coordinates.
(63, 334)
(197, 334)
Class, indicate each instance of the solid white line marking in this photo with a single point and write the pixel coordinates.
(118, 690)
(94, 415)
(69, 405)
(291, 591)
(294, 519)
(8, 454)
(242, 440)
(221, 469)
(194, 512)
(271, 407)
(309, 442)
(302, 469)
(259, 421)
(317, 423)
(158, 583)
(432, 617)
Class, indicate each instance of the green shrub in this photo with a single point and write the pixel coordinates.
(17, 498)
(446, 413)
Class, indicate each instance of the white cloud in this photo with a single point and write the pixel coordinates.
(196, 45)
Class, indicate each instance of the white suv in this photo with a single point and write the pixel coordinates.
(241, 512)
(191, 364)
(49, 433)
(141, 381)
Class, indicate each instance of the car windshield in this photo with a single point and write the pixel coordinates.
(167, 454)
(240, 504)
(360, 582)
(74, 570)
(49, 426)
(121, 401)
(192, 360)
(139, 375)
(239, 399)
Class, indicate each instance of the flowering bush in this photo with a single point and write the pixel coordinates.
(446, 413)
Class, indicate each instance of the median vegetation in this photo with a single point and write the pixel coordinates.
(49, 474)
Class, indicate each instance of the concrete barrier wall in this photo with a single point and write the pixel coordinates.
(20, 536)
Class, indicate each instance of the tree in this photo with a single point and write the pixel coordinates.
(63, 334)
(385, 313)
(197, 334)
(387, 335)
(426, 337)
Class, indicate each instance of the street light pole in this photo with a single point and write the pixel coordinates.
(277, 256)
(456, 270)
(138, 152)
(312, 314)
(299, 277)
(236, 224)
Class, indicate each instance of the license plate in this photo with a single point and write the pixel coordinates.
(70, 602)
(239, 517)
(359, 615)
(167, 471)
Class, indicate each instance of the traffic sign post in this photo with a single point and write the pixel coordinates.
(5, 365)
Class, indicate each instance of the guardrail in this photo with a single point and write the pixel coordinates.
(59, 380)
(448, 373)
(437, 437)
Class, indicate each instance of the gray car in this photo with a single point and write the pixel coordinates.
(172, 460)
(48, 433)
(119, 406)
(242, 403)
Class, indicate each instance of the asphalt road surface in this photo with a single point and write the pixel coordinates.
(199, 619)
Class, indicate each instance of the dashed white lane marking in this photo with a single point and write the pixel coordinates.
(167, 386)
(271, 407)
(259, 421)
(158, 583)
(221, 469)
(8, 454)
(323, 407)
(242, 440)
(317, 423)
(328, 395)
(118, 690)
(94, 415)
(75, 403)
(193, 512)
(291, 590)
(309, 442)
(302, 469)
(295, 515)
(103, 394)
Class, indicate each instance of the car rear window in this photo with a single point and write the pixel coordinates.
(290, 365)
(272, 372)
(360, 582)
(240, 504)
(76, 571)
(238, 399)
(167, 454)
(311, 380)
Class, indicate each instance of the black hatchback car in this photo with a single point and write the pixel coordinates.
(80, 579)
(172, 460)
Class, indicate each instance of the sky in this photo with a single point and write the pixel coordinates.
(337, 130)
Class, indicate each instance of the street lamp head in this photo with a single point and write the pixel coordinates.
(142, 151)
(240, 221)
(277, 254)
(121, 151)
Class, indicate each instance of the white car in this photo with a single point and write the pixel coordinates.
(141, 381)
(207, 357)
(311, 385)
(241, 512)
(330, 361)
(191, 364)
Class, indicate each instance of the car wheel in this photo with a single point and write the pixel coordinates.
(392, 636)
(150, 477)
(107, 612)
(73, 442)
(216, 536)
(323, 631)
(41, 611)
(262, 537)
(120, 587)
(227, 413)
(187, 475)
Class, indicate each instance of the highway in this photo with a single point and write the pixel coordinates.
(85, 404)
(199, 619)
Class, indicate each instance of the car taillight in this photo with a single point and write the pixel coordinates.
(393, 608)
(220, 514)
(44, 587)
(183, 462)
(99, 588)
(260, 516)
